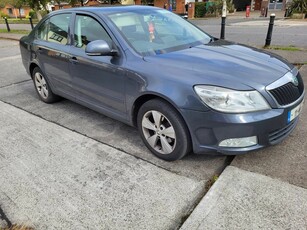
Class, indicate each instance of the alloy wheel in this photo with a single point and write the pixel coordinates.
(41, 85)
(159, 132)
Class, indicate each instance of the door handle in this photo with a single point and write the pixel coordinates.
(73, 60)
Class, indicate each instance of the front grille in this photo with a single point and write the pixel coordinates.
(280, 134)
(288, 93)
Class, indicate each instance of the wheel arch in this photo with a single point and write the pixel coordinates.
(186, 143)
(149, 96)
(32, 67)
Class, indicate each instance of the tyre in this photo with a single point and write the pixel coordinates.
(42, 87)
(163, 130)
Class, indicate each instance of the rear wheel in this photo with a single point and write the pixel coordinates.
(163, 130)
(42, 87)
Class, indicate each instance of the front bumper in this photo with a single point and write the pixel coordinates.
(208, 129)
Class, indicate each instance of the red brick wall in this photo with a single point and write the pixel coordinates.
(57, 7)
(137, 2)
(180, 7)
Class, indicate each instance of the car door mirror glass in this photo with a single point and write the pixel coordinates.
(99, 48)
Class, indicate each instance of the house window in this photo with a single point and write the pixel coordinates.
(22, 11)
(9, 11)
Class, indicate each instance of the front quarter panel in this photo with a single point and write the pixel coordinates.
(140, 83)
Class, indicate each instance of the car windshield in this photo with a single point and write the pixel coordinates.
(155, 31)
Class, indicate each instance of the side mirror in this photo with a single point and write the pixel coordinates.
(99, 48)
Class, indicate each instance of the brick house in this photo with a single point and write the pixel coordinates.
(177, 5)
(258, 4)
(12, 12)
(65, 5)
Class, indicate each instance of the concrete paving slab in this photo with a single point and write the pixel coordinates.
(303, 71)
(9, 73)
(11, 36)
(9, 48)
(107, 130)
(287, 160)
(59, 179)
(11, 210)
(11, 64)
(2, 224)
(245, 200)
(4, 43)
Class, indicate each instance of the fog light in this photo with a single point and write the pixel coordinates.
(239, 142)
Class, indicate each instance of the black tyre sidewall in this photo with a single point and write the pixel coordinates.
(183, 140)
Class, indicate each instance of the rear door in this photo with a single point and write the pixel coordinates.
(51, 48)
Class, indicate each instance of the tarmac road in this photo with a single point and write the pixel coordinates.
(253, 32)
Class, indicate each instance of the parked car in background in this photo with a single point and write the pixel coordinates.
(184, 90)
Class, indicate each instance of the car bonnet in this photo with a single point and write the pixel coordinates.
(222, 63)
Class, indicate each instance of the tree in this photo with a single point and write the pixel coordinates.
(299, 6)
(2, 4)
(217, 5)
(73, 3)
(37, 5)
(58, 2)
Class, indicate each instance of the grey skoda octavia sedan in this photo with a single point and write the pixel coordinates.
(184, 90)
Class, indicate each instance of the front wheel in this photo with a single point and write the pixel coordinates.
(163, 130)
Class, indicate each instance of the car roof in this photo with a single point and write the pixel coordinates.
(107, 10)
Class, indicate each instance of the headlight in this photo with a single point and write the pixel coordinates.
(231, 101)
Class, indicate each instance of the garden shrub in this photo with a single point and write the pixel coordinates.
(3, 15)
(200, 9)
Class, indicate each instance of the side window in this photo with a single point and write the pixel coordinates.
(87, 30)
(58, 28)
(42, 31)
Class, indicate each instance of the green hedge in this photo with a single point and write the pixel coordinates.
(32, 14)
(200, 9)
(214, 7)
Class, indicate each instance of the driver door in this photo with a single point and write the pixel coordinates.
(97, 80)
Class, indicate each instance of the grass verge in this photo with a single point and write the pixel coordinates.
(15, 31)
(286, 48)
(18, 21)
